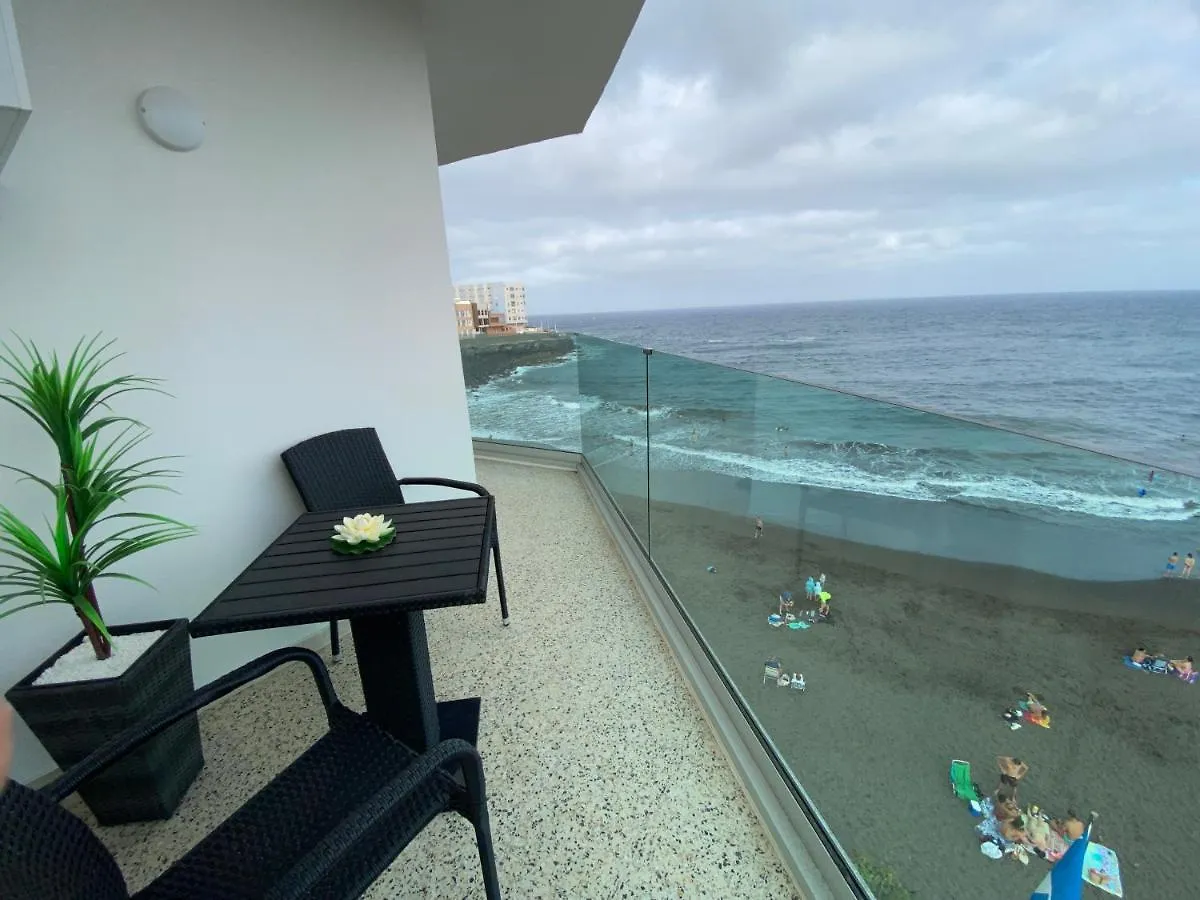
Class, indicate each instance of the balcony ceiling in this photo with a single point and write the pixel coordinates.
(503, 73)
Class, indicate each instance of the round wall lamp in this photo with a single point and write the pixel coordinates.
(171, 118)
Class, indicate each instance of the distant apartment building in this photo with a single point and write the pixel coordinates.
(514, 306)
(465, 318)
(499, 308)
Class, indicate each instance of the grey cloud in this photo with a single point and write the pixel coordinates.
(837, 143)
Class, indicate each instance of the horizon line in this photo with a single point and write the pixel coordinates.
(876, 299)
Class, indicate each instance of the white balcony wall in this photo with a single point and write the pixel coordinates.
(287, 278)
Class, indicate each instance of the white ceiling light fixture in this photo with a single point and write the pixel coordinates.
(171, 118)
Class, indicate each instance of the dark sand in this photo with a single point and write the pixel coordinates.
(924, 656)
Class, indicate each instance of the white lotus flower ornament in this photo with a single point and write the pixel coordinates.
(362, 533)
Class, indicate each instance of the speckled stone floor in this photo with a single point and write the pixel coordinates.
(603, 778)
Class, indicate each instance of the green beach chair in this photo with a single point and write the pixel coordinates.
(960, 780)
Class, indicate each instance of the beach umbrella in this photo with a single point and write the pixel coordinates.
(1065, 880)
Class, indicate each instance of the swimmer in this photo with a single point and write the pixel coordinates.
(1172, 563)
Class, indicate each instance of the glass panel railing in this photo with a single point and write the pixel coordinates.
(523, 389)
(613, 416)
(966, 566)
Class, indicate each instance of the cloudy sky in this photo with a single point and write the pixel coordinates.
(775, 150)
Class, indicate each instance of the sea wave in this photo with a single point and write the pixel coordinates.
(1026, 478)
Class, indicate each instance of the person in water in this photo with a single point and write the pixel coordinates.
(758, 527)
(1189, 563)
(1172, 564)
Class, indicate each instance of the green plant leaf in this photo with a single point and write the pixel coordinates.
(82, 604)
(69, 399)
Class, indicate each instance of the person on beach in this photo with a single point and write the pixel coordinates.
(1189, 563)
(1037, 831)
(1004, 809)
(1013, 830)
(758, 527)
(1138, 656)
(1182, 667)
(810, 589)
(1071, 827)
(1012, 770)
(1172, 563)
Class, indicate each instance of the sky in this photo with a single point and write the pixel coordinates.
(780, 151)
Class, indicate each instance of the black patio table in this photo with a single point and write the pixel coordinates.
(438, 558)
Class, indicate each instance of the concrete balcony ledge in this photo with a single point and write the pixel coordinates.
(604, 776)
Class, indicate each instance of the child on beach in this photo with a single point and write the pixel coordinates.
(1172, 562)
(810, 589)
(1189, 562)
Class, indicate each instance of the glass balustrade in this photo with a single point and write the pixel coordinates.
(965, 568)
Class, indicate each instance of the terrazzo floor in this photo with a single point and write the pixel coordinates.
(604, 780)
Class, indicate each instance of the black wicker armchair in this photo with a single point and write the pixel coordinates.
(343, 469)
(325, 827)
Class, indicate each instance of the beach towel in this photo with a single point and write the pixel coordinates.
(1158, 666)
(1100, 867)
(960, 780)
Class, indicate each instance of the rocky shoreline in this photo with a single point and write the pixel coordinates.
(485, 358)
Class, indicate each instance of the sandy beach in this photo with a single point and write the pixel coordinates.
(924, 656)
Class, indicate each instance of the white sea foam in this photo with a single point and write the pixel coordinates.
(511, 409)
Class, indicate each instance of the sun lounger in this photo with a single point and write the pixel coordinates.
(960, 780)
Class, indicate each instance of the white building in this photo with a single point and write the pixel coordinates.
(514, 306)
(300, 245)
(505, 304)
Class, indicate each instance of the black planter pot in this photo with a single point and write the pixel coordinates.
(73, 719)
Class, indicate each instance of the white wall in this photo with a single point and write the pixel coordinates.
(288, 278)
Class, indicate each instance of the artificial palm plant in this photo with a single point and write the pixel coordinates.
(91, 532)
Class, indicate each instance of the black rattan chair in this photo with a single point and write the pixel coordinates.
(325, 827)
(344, 469)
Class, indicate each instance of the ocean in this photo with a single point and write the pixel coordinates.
(1116, 373)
